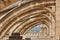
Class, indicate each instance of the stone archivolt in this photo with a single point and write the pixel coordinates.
(22, 18)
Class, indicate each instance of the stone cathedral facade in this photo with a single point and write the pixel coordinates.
(18, 19)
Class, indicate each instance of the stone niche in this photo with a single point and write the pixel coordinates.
(27, 38)
(15, 36)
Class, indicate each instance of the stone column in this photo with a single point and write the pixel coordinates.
(52, 27)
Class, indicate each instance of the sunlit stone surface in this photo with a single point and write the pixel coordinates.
(32, 19)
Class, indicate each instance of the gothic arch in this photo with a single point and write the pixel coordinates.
(15, 16)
